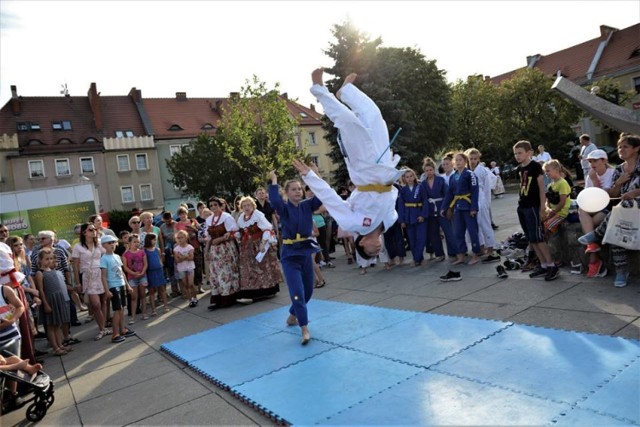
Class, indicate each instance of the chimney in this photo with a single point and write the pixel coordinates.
(285, 96)
(532, 60)
(312, 107)
(94, 103)
(181, 96)
(135, 95)
(234, 95)
(15, 101)
(605, 31)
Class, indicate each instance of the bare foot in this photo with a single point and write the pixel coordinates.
(459, 260)
(316, 76)
(349, 79)
(32, 369)
(388, 265)
(306, 336)
(363, 271)
(292, 320)
(474, 260)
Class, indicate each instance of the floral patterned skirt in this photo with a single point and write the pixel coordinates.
(258, 279)
(225, 273)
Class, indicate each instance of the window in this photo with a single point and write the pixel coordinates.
(128, 133)
(126, 193)
(119, 134)
(36, 169)
(175, 127)
(207, 126)
(62, 167)
(175, 149)
(27, 126)
(86, 165)
(123, 163)
(61, 125)
(141, 162)
(303, 114)
(66, 125)
(146, 193)
(312, 138)
(636, 84)
(314, 159)
(56, 125)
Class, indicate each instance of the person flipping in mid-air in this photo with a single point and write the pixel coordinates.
(364, 141)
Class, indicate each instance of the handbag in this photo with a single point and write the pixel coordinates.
(623, 229)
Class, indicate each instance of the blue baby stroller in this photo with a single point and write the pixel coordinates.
(36, 389)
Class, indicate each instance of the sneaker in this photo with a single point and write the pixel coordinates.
(621, 280)
(322, 264)
(592, 247)
(330, 265)
(493, 257)
(576, 268)
(129, 333)
(538, 272)
(590, 237)
(502, 273)
(528, 267)
(451, 276)
(594, 268)
(552, 273)
(117, 339)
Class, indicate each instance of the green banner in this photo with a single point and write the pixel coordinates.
(60, 219)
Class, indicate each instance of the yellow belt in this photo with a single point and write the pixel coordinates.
(296, 240)
(413, 205)
(378, 188)
(466, 197)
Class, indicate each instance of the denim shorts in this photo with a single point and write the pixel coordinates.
(140, 281)
(183, 274)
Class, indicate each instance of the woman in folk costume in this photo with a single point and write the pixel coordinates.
(259, 277)
(412, 213)
(11, 278)
(434, 188)
(222, 254)
(461, 204)
(298, 245)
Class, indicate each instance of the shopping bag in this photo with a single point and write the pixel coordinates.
(623, 228)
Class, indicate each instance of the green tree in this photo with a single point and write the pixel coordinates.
(474, 106)
(410, 91)
(529, 109)
(255, 135)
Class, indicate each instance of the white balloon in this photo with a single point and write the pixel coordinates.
(593, 199)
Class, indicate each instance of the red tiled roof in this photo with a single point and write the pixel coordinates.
(191, 114)
(44, 111)
(120, 113)
(304, 115)
(574, 62)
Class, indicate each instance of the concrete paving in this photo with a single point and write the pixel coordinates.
(133, 383)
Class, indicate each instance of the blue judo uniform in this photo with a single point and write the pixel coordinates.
(434, 196)
(462, 197)
(412, 207)
(297, 249)
(393, 237)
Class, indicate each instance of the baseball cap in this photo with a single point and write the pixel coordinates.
(597, 154)
(107, 238)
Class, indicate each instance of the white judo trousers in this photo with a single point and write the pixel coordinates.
(485, 231)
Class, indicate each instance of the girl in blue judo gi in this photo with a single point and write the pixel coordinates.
(434, 188)
(412, 212)
(298, 247)
(461, 202)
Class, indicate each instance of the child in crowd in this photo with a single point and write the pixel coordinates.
(54, 308)
(114, 283)
(14, 363)
(434, 188)
(531, 209)
(485, 179)
(601, 176)
(155, 273)
(412, 212)
(298, 247)
(183, 254)
(558, 197)
(123, 242)
(394, 239)
(364, 141)
(461, 204)
(135, 265)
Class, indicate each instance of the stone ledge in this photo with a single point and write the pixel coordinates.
(564, 247)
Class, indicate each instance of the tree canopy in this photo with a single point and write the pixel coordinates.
(256, 134)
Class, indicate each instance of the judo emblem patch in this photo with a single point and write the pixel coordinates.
(366, 222)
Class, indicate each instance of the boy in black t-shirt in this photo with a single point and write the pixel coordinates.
(531, 209)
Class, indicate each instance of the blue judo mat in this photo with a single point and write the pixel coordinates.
(368, 365)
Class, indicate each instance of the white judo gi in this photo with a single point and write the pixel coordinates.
(364, 137)
(485, 179)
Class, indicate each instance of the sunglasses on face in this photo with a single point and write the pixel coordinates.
(135, 222)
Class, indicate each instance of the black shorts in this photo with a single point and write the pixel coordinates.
(116, 300)
(531, 224)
